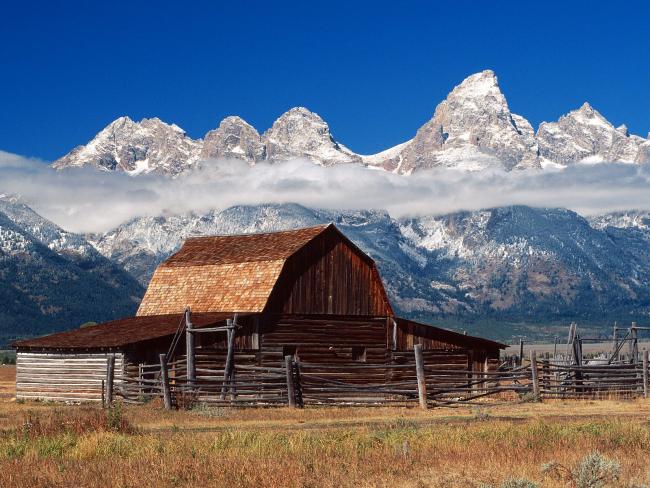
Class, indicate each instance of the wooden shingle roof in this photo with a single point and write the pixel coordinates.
(243, 248)
(118, 333)
(223, 273)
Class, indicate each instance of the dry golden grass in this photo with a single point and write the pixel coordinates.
(48, 445)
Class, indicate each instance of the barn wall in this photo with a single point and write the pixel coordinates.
(443, 348)
(63, 376)
(322, 340)
(328, 276)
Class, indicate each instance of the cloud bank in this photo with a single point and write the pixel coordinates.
(87, 200)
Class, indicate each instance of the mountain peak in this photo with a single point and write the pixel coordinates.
(478, 85)
(298, 112)
(586, 108)
(135, 147)
(301, 133)
(234, 139)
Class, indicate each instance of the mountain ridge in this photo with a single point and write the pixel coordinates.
(51, 279)
(512, 264)
(472, 129)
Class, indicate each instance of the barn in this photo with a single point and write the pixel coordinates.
(251, 300)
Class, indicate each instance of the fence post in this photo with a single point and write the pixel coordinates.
(140, 381)
(227, 373)
(164, 379)
(419, 370)
(634, 344)
(534, 374)
(291, 391)
(190, 351)
(110, 373)
(645, 374)
(521, 352)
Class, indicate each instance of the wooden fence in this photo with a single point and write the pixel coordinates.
(300, 383)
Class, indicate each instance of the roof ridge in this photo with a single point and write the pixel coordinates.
(246, 234)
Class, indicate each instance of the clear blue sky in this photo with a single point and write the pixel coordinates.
(374, 71)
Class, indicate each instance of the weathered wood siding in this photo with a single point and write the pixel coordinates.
(63, 376)
(329, 276)
(319, 339)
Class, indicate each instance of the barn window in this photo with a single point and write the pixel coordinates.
(359, 354)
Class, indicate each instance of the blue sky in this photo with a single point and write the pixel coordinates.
(374, 71)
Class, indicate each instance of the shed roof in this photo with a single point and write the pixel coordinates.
(233, 272)
(118, 333)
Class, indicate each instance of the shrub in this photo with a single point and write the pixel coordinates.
(593, 471)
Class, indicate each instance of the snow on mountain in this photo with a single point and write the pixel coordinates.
(136, 147)
(46, 232)
(53, 280)
(629, 219)
(300, 133)
(472, 129)
(234, 139)
(584, 135)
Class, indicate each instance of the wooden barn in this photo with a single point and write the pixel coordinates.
(254, 299)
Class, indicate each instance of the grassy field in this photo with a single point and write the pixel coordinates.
(50, 445)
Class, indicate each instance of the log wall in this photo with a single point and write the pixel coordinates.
(71, 377)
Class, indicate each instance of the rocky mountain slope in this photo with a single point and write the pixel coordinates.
(53, 280)
(472, 129)
(509, 265)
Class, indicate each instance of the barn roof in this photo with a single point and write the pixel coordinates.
(234, 272)
(243, 248)
(118, 333)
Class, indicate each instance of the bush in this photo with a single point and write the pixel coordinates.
(593, 471)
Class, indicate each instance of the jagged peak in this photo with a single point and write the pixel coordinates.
(235, 120)
(120, 122)
(478, 85)
(300, 112)
(587, 114)
(623, 130)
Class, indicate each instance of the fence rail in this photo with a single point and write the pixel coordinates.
(301, 383)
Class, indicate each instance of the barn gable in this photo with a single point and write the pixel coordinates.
(312, 270)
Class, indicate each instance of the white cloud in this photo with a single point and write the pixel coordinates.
(86, 200)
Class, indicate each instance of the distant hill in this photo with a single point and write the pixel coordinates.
(52, 280)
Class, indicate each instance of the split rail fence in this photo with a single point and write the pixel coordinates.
(299, 384)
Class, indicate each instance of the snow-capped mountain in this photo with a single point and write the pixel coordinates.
(53, 280)
(584, 135)
(515, 264)
(234, 139)
(136, 147)
(300, 133)
(471, 129)
(154, 146)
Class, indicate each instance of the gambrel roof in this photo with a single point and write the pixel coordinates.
(226, 273)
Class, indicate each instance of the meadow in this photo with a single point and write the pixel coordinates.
(551, 444)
